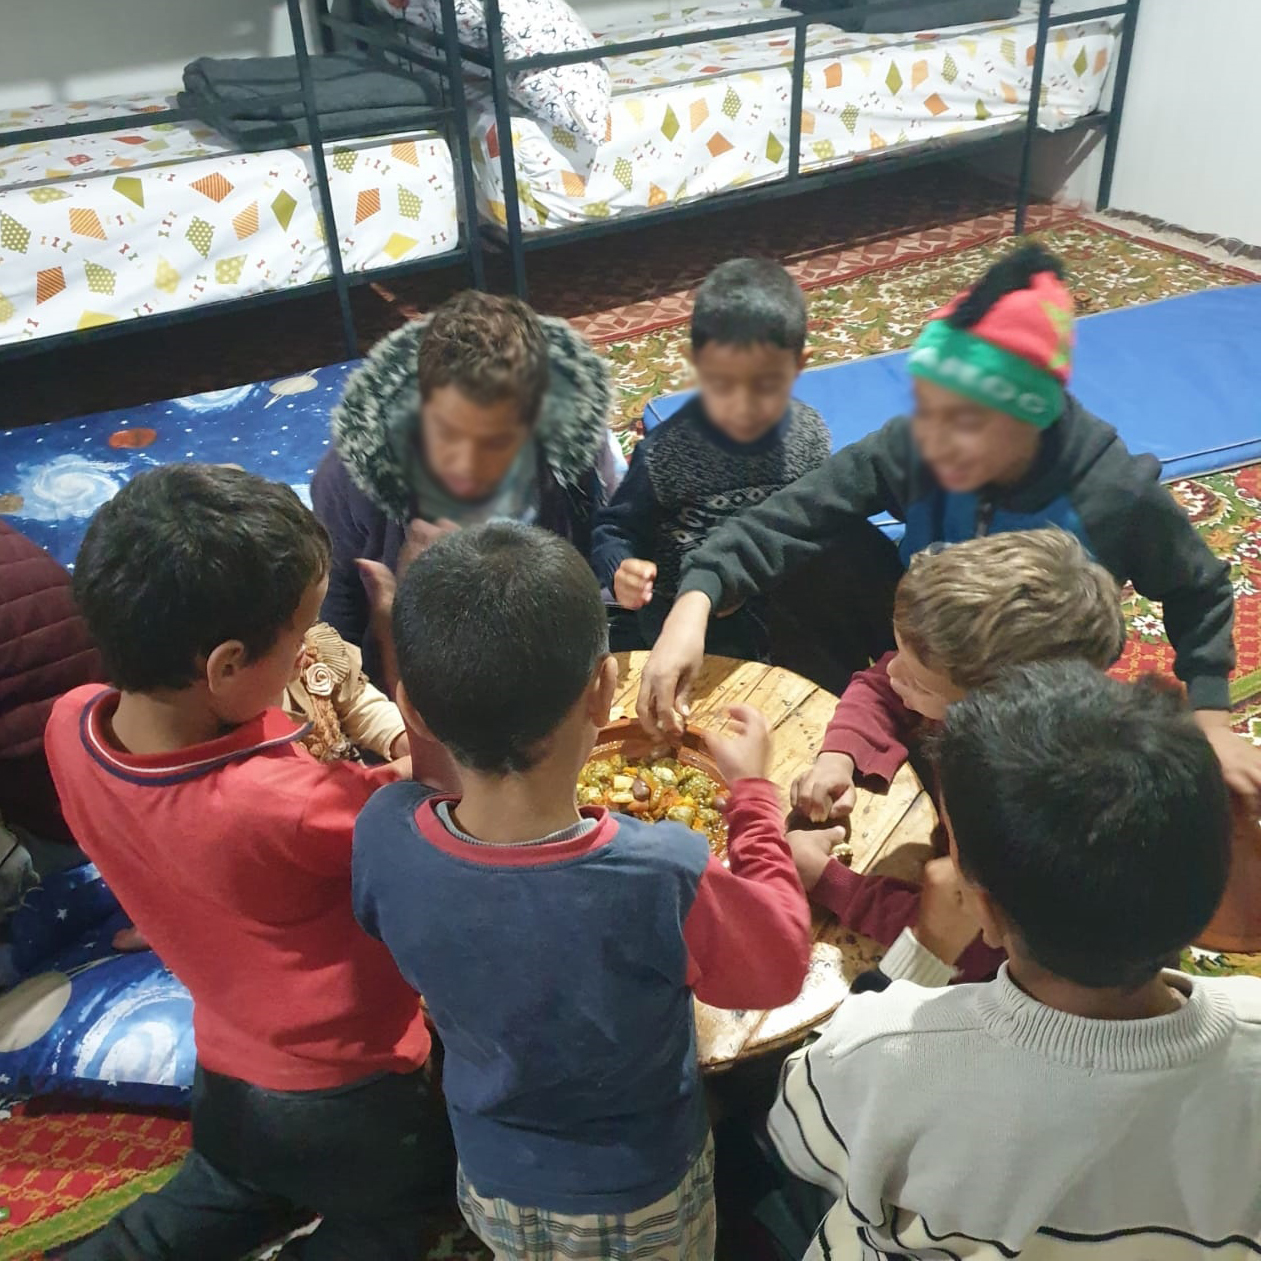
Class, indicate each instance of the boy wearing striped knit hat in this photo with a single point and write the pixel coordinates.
(995, 443)
(1103, 1107)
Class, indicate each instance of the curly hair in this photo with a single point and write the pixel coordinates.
(490, 348)
(973, 609)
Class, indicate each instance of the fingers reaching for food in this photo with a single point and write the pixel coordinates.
(814, 848)
(826, 791)
(745, 753)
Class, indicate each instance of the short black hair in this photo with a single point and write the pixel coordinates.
(749, 302)
(1094, 814)
(499, 629)
(187, 557)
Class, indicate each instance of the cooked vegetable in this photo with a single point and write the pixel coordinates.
(655, 788)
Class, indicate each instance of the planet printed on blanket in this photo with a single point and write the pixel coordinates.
(132, 439)
(11, 503)
(289, 385)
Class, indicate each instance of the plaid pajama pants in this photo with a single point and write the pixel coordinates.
(678, 1227)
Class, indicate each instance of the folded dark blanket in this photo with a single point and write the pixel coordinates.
(239, 87)
(257, 134)
(913, 15)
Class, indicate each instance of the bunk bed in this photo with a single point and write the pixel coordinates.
(129, 213)
(746, 100)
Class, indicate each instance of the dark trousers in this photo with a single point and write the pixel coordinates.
(823, 620)
(371, 1159)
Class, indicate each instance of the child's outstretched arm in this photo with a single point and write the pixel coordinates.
(748, 932)
(867, 736)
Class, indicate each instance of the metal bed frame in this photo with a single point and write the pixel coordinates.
(519, 243)
(439, 54)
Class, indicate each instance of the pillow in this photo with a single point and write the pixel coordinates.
(914, 15)
(576, 98)
(87, 1020)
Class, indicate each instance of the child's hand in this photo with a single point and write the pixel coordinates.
(945, 926)
(746, 752)
(632, 584)
(826, 790)
(129, 940)
(419, 537)
(812, 851)
(1240, 758)
(381, 586)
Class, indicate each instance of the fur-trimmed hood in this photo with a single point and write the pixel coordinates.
(374, 426)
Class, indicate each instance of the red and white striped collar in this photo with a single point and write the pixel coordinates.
(271, 729)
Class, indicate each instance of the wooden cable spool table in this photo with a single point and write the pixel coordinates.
(889, 831)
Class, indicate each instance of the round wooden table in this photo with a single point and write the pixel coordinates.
(889, 832)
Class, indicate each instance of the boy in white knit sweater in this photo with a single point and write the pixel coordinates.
(1086, 1103)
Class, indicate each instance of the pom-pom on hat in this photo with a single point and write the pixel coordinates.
(1007, 342)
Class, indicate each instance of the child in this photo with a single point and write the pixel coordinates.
(347, 715)
(960, 617)
(740, 439)
(230, 847)
(482, 411)
(995, 444)
(1085, 1102)
(558, 950)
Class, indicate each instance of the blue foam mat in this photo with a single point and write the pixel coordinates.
(1180, 378)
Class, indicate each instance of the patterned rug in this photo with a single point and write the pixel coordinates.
(65, 1172)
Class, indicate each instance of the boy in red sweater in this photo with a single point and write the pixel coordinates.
(961, 615)
(229, 845)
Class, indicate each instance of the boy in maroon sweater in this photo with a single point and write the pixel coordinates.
(961, 616)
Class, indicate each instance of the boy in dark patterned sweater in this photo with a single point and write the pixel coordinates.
(741, 438)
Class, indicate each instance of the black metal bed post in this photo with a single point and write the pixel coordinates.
(1128, 28)
(1031, 118)
(453, 86)
(322, 29)
(315, 138)
(798, 94)
(507, 158)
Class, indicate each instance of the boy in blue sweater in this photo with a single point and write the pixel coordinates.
(558, 950)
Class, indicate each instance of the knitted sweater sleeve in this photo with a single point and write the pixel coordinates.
(753, 551)
(626, 526)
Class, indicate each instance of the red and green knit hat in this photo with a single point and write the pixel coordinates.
(1007, 342)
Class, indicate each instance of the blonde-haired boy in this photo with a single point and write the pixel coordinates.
(961, 616)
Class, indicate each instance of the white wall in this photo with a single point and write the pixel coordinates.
(1189, 151)
(81, 49)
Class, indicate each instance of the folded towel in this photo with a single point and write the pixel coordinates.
(255, 135)
(239, 87)
(353, 97)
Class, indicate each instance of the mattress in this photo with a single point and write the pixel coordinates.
(691, 121)
(143, 220)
